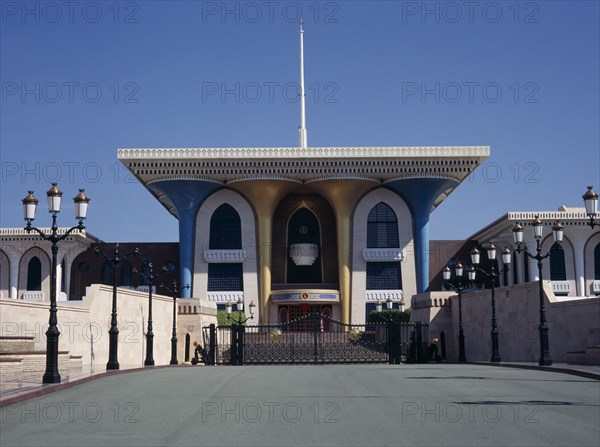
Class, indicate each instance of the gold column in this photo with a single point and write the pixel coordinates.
(343, 214)
(264, 195)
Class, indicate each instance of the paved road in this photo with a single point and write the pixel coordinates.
(333, 405)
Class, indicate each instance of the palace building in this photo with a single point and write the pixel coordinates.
(302, 229)
(328, 229)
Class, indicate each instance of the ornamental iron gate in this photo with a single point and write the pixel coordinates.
(315, 338)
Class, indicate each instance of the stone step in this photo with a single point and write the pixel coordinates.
(76, 362)
(10, 369)
(35, 361)
(589, 356)
(9, 343)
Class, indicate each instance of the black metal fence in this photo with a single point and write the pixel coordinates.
(316, 338)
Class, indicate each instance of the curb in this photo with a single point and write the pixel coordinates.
(51, 388)
(574, 372)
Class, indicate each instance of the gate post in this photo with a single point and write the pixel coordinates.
(394, 342)
(391, 342)
(316, 327)
(418, 342)
(212, 344)
(443, 344)
(233, 350)
(240, 343)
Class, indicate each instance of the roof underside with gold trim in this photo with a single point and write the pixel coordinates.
(303, 166)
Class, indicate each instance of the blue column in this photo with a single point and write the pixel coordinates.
(186, 196)
(420, 194)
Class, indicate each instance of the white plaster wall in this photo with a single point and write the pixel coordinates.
(18, 246)
(589, 247)
(250, 267)
(84, 325)
(573, 324)
(359, 243)
(4, 275)
(23, 267)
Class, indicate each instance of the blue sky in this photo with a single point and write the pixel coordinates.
(80, 80)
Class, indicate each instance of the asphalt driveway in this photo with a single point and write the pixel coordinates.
(331, 405)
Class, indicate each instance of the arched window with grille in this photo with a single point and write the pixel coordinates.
(597, 262)
(34, 274)
(225, 234)
(382, 232)
(558, 271)
(106, 273)
(225, 229)
(63, 276)
(126, 277)
(382, 227)
(145, 273)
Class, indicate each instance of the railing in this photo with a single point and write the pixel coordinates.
(33, 295)
(224, 297)
(224, 256)
(371, 296)
(315, 338)
(382, 254)
(560, 287)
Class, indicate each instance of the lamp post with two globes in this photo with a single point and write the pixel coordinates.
(590, 199)
(459, 288)
(557, 233)
(493, 275)
(30, 203)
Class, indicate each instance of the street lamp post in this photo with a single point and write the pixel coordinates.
(394, 337)
(557, 233)
(458, 288)
(151, 276)
(590, 199)
(29, 208)
(506, 258)
(113, 332)
(175, 292)
(240, 308)
(238, 331)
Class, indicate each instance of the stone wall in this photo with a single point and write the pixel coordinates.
(573, 324)
(84, 324)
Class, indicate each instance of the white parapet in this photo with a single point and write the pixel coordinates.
(382, 254)
(33, 295)
(371, 296)
(561, 287)
(224, 256)
(224, 297)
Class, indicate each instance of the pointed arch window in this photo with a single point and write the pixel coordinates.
(225, 229)
(126, 277)
(145, 270)
(63, 276)
(34, 274)
(597, 262)
(382, 227)
(558, 271)
(106, 273)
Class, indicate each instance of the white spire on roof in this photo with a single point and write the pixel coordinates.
(302, 130)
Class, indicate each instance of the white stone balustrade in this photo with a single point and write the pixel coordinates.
(382, 254)
(224, 297)
(224, 256)
(33, 295)
(371, 296)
